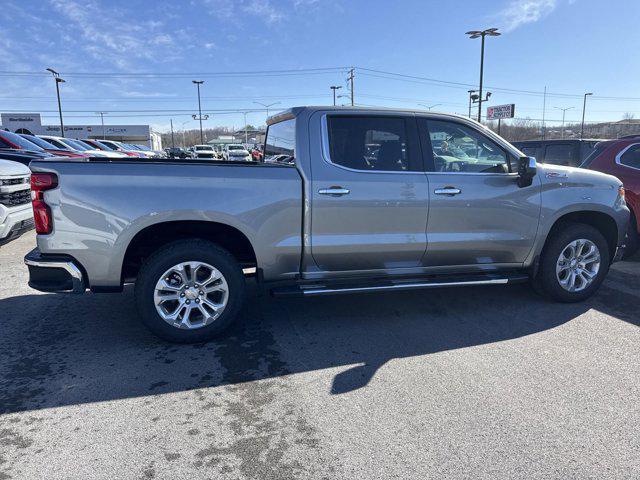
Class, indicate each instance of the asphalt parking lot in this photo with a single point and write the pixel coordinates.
(490, 382)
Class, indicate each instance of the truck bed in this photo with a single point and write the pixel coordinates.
(100, 205)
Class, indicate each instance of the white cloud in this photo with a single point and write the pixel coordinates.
(112, 37)
(521, 12)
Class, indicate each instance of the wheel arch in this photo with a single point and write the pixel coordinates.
(157, 235)
(603, 222)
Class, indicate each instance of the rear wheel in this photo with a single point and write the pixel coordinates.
(573, 264)
(189, 291)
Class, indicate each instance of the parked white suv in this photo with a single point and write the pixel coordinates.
(236, 153)
(16, 215)
(204, 151)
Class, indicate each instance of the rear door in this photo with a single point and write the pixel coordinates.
(369, 196)
(478, 216)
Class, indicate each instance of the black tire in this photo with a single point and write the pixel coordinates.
(183, 251)
(546, 282)
(632, 240)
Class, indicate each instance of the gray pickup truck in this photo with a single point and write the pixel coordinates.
(347, 200)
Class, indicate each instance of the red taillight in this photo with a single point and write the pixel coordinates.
(131, 154)
(40, 182)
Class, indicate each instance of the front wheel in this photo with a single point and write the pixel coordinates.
(573, 264)
(189, 291)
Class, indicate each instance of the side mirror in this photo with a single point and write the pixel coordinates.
(526, 171)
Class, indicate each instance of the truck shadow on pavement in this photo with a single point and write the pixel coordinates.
(58, 350)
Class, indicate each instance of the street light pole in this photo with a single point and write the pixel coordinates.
(584, 107)
(267, 106)
(563, 112)
(334, 88)
(173, 142)
(102, 114)
(58, 81)
(198, 83)
(429, 107)
(491, 32)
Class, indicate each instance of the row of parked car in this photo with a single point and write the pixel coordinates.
(18, 150)
(235, 152)
(23, 147)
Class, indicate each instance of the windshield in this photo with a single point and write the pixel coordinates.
(203, 147)
(20, 142)
(40, 142)
(74, 145)
(84, 144)
(235, 147)
(600, 147)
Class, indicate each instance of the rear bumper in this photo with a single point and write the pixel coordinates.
(54, 273)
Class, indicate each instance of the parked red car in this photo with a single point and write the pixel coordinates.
(621, 158)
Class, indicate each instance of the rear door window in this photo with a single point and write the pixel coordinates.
(559, 154)
(369, 143)
(280, 143)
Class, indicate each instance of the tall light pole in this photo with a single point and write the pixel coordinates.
(563, 111)
(102, 114)
(267, 106)
(584, 107)
(429, 107)
(198, 83)
(58, 80)
(491, 32)
(334, 88)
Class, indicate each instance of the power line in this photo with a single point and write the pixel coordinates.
(248, 73)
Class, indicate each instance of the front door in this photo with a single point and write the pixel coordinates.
(369, 194)
(478, 216)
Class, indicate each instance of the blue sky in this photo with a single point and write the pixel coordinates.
(101, 48)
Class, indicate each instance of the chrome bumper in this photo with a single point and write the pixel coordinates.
(54, 273)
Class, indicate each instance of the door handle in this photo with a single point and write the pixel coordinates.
(335, 191)
(450, 191)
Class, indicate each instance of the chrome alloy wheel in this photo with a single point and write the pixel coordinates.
(578, 265)
(191, 295)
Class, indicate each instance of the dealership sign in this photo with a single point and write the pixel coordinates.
(498, 112)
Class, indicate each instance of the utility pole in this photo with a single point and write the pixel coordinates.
(58, 80)
(563, 112)
(350, 79)
(184, 141)
(544, 110)
(491, 32)
(334, 88)
(198, 83)
(173, 142)
(245, 127)
(102, 114)
(584, 107)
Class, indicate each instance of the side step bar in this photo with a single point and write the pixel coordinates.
(316, 289)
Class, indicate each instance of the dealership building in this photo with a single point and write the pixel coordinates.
(31, 123)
